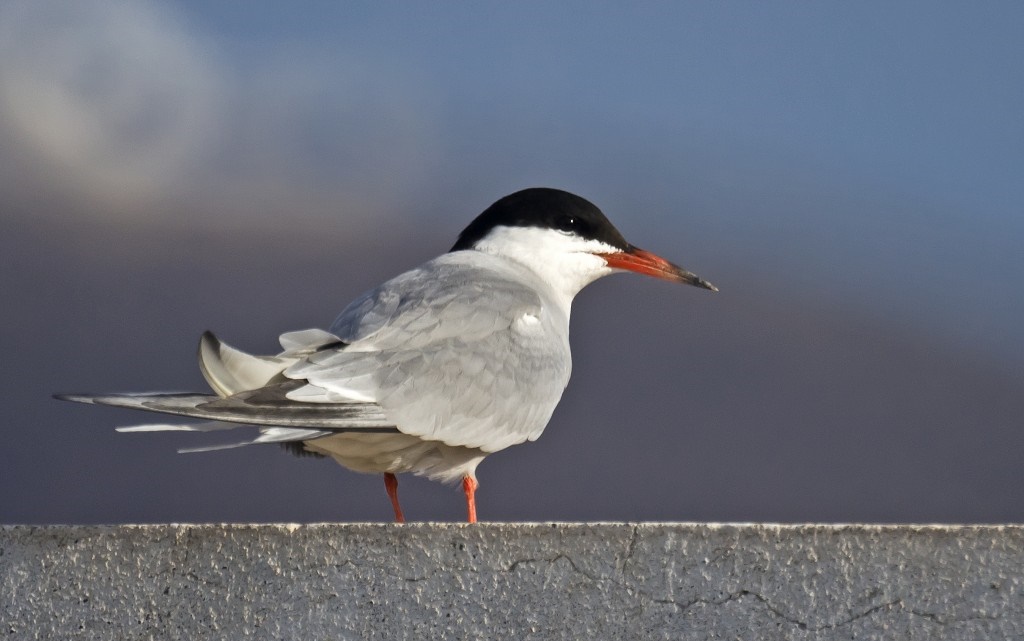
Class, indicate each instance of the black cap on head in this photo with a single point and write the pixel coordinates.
(543, 208)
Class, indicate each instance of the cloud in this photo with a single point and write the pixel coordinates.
(127, 108)
(117, 98)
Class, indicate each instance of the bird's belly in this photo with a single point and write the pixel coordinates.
(399, 453)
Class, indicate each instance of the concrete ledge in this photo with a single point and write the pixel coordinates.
(512, 581)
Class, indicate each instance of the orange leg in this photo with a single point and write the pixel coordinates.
(391, 485)
(469, 486)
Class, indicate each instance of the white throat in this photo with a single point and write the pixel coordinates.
(564, 262)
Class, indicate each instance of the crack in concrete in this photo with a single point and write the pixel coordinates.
(768, 604)
(558, 557)
(627, 556)
(775, 610)
(512, 567)
(804, 625)
(938, 619)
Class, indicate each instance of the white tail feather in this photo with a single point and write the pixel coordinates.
(267, 435)
(229, 370)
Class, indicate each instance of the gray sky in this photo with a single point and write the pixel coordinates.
(849, 175)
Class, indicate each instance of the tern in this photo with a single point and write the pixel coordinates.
(433, 370)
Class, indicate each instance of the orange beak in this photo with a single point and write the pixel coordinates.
(637, 260)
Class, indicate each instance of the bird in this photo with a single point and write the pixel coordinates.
(431, 371)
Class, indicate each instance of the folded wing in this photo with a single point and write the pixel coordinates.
(450, 351)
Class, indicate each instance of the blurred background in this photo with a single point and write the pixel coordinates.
(849, 174)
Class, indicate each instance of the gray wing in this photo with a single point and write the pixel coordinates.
(444, 298)
(459, 352)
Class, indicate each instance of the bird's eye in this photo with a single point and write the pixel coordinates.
(567, 223)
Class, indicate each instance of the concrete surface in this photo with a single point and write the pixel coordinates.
(512, 581)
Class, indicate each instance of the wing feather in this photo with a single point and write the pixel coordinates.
(267, 406)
